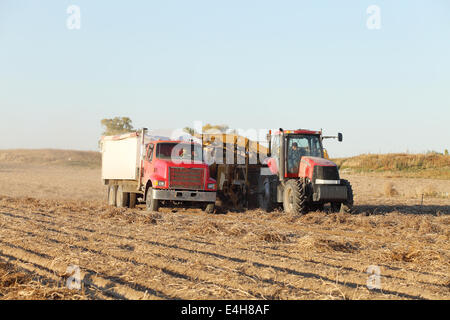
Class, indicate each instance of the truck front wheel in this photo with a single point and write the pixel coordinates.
(152, 204)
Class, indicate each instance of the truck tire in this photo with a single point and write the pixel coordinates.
(122, 198)
(209, 208)
(151, 204)
(265, 195)
(112, 195)
(295, 197)
(347, 205)
(132, 200)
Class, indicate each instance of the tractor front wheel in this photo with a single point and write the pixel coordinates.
(295, 197)
(347, 205)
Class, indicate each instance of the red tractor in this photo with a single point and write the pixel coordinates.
(298, 175)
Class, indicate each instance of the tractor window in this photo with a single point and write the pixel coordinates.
(299, 146)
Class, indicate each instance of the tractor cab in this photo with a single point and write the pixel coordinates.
(301, 177)
(290, 146)
(298, 144)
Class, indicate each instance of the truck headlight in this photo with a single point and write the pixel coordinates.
(211, 185)
(161, 183)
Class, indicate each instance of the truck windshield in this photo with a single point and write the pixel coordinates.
(300, 145)
(179, 151)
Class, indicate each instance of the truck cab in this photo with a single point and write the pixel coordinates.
(137, 167)
(175, 171)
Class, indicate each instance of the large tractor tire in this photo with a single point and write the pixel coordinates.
(347, 205)
(151, 204)
(122, 198)
(112, 195)
(296, 196)
(265, 195)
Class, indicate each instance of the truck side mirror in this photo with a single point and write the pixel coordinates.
(340, 137)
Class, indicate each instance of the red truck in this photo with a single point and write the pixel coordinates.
(137, 168)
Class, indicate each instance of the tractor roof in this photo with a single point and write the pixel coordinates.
(298, 131)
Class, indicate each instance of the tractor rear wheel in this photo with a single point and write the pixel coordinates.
(295, 197)
(151, 203)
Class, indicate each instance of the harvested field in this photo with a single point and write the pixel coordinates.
(132, 254)
(187, 254)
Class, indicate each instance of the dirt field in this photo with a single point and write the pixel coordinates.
(52, 217)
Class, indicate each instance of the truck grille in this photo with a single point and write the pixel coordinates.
(186, 178)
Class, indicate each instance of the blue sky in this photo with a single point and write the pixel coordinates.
(248, 64)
